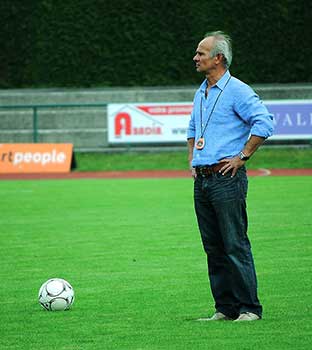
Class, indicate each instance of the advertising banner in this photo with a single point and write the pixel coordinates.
(168, 122)
(35, 158)
(144, 123)
(292, 119)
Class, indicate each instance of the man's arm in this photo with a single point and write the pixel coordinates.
(190, 145)
(251, 109)
(252, 145)
(233, 164)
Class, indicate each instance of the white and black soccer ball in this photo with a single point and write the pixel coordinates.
(56, 294)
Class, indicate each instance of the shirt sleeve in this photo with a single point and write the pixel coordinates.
(191, 132)
(252, 110)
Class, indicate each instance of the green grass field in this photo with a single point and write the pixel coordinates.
(132, 252)
(266, 157)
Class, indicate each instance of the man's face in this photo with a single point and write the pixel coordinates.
(204, 63)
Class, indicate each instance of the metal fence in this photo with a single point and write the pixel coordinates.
(12, 124)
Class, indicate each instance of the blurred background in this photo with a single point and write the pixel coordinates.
(106, 51)
(100, 43)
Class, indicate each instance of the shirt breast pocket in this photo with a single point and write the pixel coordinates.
(224, 114)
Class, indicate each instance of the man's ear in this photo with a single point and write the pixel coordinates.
(219, 58)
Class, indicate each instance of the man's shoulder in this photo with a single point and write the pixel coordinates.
(240, 90)
(237, 83)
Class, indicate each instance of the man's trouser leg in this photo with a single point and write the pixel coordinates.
(221, 213)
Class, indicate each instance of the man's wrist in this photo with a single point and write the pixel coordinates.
(243, 156)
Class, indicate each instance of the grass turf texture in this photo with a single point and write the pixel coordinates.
(132, 252)
(265, 157)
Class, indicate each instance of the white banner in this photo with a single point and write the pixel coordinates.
(168, 122)
(148, 122)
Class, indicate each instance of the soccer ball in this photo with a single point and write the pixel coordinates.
(56, 294)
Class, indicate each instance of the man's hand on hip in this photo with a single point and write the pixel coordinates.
(231, 164)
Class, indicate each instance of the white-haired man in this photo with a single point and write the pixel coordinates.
(228, 123)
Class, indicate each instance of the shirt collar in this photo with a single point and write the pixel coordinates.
(220, 83)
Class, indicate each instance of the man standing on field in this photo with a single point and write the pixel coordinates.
(228, 123)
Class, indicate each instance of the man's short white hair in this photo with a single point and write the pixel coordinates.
(222, 45)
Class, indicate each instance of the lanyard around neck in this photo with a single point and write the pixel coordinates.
(202, 132)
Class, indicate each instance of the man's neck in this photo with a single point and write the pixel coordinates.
(214, 76)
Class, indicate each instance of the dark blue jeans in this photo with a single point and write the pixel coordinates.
(220, 205)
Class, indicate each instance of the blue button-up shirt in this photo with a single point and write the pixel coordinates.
(238, 114)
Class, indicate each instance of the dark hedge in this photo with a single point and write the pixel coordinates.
(97, 43)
